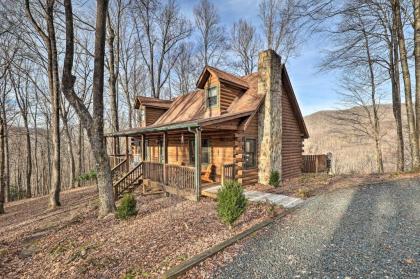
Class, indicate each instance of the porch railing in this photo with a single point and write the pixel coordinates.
(228, 172)
(153, 171)
(316, 163)
(181, 177)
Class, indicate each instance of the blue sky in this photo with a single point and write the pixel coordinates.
(315, 91)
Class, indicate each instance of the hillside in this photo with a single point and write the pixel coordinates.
(352, 154)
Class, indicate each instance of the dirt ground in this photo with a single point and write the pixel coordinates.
(72, 242)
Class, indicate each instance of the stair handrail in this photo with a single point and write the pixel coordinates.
(114, 169)
(116, 184)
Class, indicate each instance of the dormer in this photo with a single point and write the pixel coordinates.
(150, 109)
(220, 90)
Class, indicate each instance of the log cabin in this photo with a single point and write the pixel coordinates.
(230, 127)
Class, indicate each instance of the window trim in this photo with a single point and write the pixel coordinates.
(217, 97)
(255, 161)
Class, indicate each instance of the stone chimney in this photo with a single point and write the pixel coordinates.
(269, 116)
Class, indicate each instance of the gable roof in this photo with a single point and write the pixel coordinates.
(294, 102)
(189, 109)
(152, 102)
(222, 77)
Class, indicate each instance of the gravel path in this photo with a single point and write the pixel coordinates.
(363, 232)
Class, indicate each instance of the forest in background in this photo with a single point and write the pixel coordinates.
(69, 70)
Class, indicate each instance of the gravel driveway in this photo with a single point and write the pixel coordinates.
(363, 232)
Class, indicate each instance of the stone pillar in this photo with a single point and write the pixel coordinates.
(269, 116)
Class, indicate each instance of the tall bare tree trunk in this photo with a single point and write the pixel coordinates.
(94, 124)
(376, 126)
(55, 110)
(413, 138)
(28, 158)
(80, 153)
(113, 77)
(396, 95)
(54, 88)
(2, 164)
(417, 62)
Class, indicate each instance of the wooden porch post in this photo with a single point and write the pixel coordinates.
(165, 156)
(197, 160)
(115, 151)
(127, 162)
(143, 148)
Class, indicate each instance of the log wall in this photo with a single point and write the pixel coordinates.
(292, 140)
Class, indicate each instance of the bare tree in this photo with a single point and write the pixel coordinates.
(244, 42)
(281, 25)
(49, 38)
(413, 138)
(417, 62)
(159, 29)
(212, 40)
(94, 124)
(114, 19)
(353, 36)
(21, 89)
(186, 69)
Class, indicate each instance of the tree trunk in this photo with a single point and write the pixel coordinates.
(417, 62)
(376, 126)
(80, 153)
(413, 139)
(6, 169)
(2, 164)
(396, 97)
(94, 124)
(113, 76)
(28, 159)
(54, 85)
(70, 150)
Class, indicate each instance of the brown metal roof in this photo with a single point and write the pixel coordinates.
(222, 76)
(189, 109)
(152, 102)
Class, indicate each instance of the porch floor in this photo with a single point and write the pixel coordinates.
(256, 196)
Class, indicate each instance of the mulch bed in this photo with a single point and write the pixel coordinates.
(72, 242)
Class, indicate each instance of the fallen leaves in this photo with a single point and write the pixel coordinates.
(72, 242)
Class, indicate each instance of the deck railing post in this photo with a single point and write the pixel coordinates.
(197, 162)
(165, 157)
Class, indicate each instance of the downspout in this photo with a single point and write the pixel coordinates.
(197, 159)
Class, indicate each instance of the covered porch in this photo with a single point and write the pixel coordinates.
(181, 160)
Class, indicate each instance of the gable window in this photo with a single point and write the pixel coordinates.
(250, 153)
(212, 95)
(205, 151)
(142, 116)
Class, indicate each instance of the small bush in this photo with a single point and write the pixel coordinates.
(127, 207)
(92, 174)
(274, 178)
(304, 193)
(231, 202)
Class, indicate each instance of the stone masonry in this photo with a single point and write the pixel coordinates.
(269, 116)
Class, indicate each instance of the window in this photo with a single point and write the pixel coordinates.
(142, 116)
(205, 151)
(212, 93)
(146, 150)
(250, 153)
